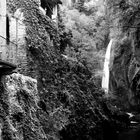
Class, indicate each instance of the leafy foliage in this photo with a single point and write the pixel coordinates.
(89, 34)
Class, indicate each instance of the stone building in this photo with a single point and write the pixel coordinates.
(3, 28)
(12, 33)
(13, 30)
(51, 8)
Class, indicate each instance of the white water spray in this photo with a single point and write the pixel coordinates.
(105, 78)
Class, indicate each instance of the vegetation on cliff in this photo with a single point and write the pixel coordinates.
(125, 17)
(89, 34)
(70, 103)
(18, 107)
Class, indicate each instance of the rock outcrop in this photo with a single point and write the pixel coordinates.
(18, 109)
(124, 74)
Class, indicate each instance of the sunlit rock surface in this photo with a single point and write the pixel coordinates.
(18, 107)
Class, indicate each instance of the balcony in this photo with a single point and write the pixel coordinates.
(7, 59)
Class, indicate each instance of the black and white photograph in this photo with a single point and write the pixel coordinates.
(69, 69)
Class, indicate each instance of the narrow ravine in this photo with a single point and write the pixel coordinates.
(132, 132)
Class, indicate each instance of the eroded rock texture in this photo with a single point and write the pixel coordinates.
(124, 74)
(18, 107)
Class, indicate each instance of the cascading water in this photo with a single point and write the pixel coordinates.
(105, 78)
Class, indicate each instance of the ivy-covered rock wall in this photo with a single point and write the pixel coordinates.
(18, 109)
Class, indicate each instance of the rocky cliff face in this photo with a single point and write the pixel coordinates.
(124, 74)
(18, 109)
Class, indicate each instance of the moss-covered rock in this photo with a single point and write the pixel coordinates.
(18, 105)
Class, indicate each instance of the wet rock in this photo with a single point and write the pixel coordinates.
(124, 75)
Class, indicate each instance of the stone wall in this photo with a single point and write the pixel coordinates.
(2, 22)
(17, 47)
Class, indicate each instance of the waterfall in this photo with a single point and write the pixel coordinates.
(105, 78)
